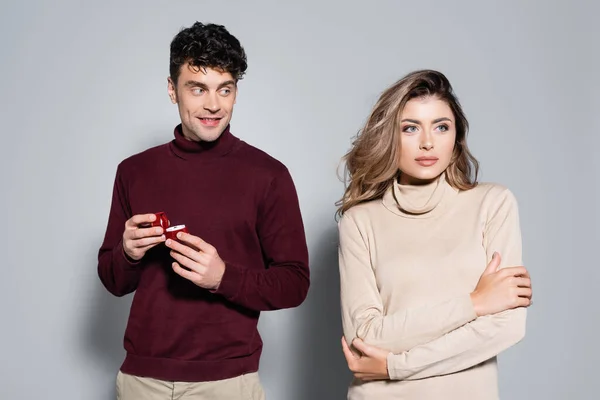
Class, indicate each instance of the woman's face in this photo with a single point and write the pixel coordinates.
(427, 137)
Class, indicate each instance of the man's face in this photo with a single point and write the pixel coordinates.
(205, 98)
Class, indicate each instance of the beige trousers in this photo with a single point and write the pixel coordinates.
(244, 387)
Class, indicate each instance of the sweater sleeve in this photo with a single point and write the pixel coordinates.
(362, 309)
(486, 336)
(285, 281)
(118, 273)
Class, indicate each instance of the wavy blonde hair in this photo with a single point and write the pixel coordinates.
(372, 162)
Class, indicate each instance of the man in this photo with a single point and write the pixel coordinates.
(192, 330)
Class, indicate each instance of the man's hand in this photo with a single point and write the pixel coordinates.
(139, 236)
(204, 266)
(371, 365)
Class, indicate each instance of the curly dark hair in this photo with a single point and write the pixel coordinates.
(207, 46)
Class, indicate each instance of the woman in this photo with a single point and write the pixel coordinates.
(423, 316)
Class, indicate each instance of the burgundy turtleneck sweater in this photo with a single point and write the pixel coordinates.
(244, 203)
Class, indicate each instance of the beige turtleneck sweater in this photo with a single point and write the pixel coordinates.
(408, 263)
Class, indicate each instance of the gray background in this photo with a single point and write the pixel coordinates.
(84, 86)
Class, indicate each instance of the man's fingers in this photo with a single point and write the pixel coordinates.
(147, 241)
(184, 273)
(139, 233)
(186, 262)
(144, 249)
(196, 242)
(133, 234)
(140, 219)
(187, 251)
(138, 252)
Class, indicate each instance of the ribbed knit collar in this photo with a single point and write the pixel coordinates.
(189, 149)
(419, 201)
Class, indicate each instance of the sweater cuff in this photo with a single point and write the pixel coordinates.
(467, 309)
(122, 260)
(392, 371)
(232, 281)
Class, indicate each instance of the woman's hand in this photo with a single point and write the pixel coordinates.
(371, 365)
(500, 290)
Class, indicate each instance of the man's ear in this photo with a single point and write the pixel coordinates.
(171, 89)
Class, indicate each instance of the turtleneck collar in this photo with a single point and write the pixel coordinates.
(189, 149)
(419, 201)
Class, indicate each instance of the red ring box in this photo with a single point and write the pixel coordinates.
(172, 231)
(161, 220)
